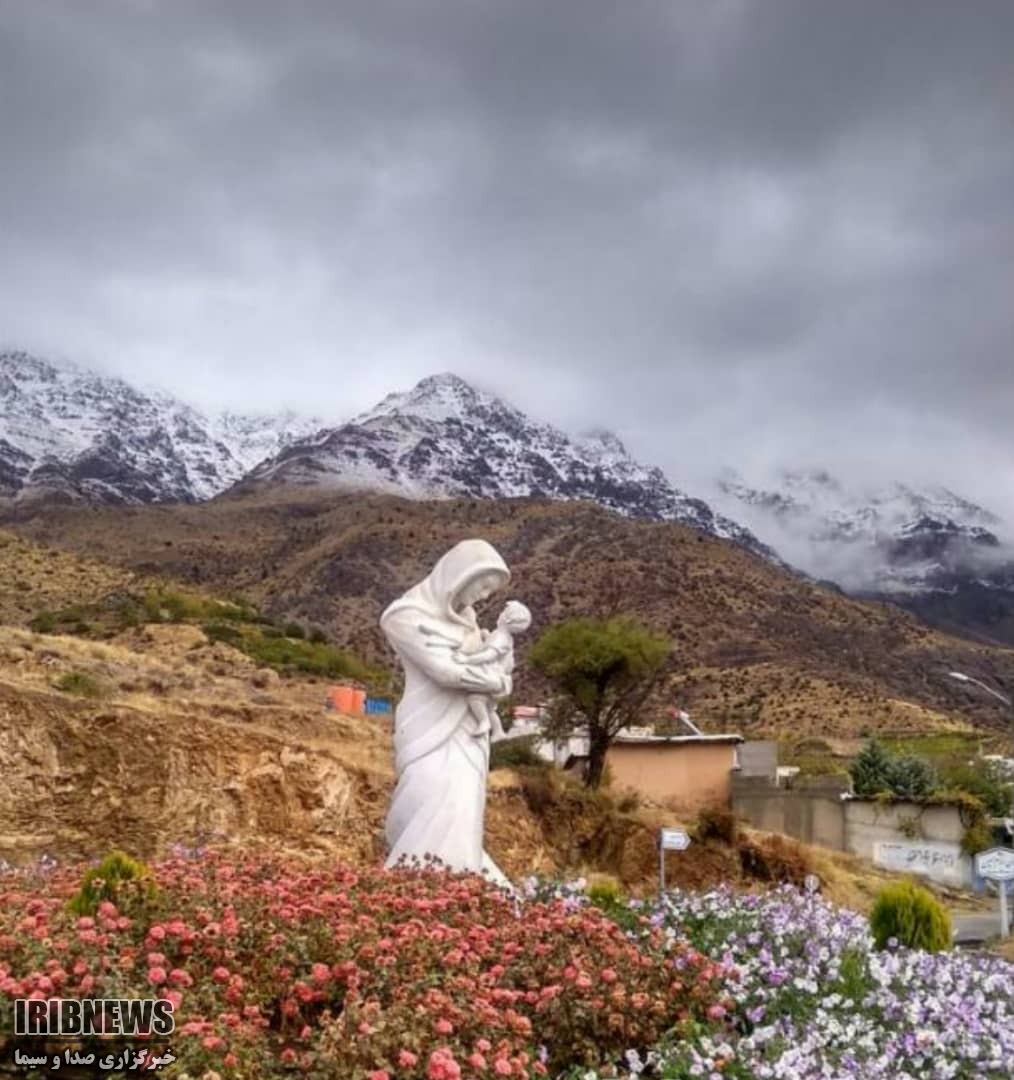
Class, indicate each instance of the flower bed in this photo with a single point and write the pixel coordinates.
(814, 1001)
(278, 968)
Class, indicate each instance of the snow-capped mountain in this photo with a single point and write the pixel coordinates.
(926, 548)
(445, 439)
(77, 434)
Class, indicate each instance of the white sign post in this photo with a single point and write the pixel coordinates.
(997, 864)
(669, 840)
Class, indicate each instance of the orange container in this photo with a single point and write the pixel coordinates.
(342, 699)
(358, 702)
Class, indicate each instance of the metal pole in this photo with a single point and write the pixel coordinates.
(1004, 920)
(661, 869)
(962, 677)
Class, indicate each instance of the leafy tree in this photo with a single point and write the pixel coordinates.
(911, 777)
(983, 780)
(876, 771)
(871, 770)
(604, 670)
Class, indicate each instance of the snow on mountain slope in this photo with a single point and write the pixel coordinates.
(78, 434)
(926, 548)
(444, 438)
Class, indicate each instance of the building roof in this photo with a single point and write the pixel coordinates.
(679, 740)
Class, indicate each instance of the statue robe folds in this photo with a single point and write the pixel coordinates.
(441, 758)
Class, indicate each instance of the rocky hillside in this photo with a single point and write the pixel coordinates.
(447, 439)
(158, 737)
(755, 648)
(66, 433)
(927, 549)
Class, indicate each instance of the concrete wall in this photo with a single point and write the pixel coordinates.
(909, 838)
(687, 775)
(902, 836)
(813, 816)
(758, 757)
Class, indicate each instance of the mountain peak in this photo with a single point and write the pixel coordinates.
(446, 439)
(436, 398)
(78, 434)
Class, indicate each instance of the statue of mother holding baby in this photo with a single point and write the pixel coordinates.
(454, 672)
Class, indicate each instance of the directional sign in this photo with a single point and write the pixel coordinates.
(997, 864)
(675, 840)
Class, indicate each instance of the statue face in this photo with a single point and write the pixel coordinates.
(477, 589)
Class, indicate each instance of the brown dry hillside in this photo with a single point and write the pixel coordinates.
(755, 647)
(161, 737)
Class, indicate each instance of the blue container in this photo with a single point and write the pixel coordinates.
(374, 705)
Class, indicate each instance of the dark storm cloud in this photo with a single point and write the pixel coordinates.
(735, 231)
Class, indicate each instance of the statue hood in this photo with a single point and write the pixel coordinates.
(434, 596)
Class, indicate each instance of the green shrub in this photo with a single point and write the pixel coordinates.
(222, 632)
(876, 772)
(169, 605)
(985, 782)
(293, 630)
(514, 753)
(911, 777)
(80, 683)
(43, 623)
(911, 916)
(271, 649)
(317, 636)
(871, 768)
(124, 881)
(977, 837)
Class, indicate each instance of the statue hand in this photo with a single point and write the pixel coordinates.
(480, 683)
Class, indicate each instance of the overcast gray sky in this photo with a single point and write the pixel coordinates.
(735, 232)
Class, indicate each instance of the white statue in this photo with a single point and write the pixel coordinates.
(497, 649)
(454, 671)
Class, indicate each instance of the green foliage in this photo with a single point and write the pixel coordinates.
(290, 654)
(587, 658)
(515, 754)
(124, 881)
(505, 710)
(123, 610)
(43, 623)
(871, 769)
(604, 669)
(911, 916)
(876, 772)
(607, 895)
(911, 778)
(79, 683)
(985, 782)
(978, 836)
(293, 630)
(317, 636)
(170, 605)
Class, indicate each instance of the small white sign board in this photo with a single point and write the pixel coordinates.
(669, 840)
(811, 883)
(674, 839)
(996, 864)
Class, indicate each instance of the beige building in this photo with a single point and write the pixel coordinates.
(686, 772)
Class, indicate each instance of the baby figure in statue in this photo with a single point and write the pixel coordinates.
(498, 649)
